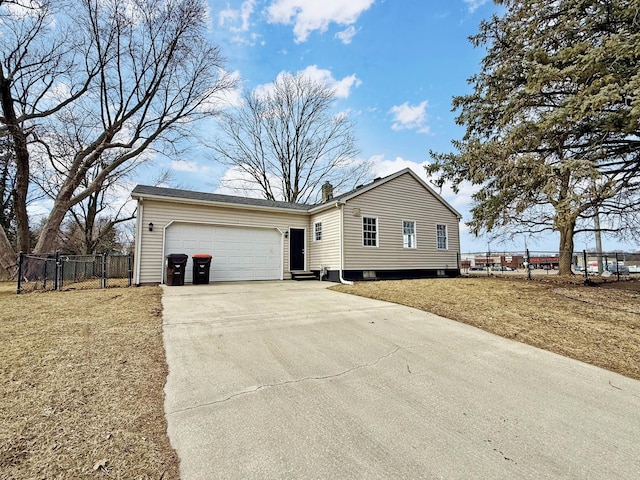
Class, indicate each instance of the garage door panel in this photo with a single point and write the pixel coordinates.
(219, 245)
(190, 244)
(230, 262)
(239, 253)
(205, 246)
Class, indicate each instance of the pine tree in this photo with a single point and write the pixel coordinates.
(553, 122)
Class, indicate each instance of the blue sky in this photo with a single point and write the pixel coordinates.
(395, 65)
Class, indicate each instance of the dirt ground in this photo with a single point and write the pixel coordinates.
(82, 376)
(598, 324)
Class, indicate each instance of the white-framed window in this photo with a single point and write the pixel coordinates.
(441, 237)
(369, 231)
(317, 231)
(408, 234)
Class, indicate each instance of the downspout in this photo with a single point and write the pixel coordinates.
(164, 246)
(281, 254)
(459, 255)
(342, 280)
(138, 242)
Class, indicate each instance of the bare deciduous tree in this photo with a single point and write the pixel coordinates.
(98, 215)
(285, 141)
(93, 86)
(95, 222)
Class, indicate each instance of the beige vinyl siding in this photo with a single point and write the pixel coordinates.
(162, 213)
(404, 198)
(325, 253)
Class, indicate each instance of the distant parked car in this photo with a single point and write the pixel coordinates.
(634, 269)
(503, 268)
(477, 268)
(621, 269)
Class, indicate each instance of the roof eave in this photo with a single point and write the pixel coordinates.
(325, 206)
(240, 206)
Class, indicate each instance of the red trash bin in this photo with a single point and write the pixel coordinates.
(201, 268)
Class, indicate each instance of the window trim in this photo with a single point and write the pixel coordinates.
(414, 235)
(377, 232)
(317, 231)
(446, 236)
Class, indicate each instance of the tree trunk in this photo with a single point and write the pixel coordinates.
(566, 248)
(92, 238)
(8, 257)
(23, 238)
(19, 140)
(51, 229)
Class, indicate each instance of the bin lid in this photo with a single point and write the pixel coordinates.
(178, 256)
(201, 255)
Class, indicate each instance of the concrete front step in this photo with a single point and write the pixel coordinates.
(302, 275)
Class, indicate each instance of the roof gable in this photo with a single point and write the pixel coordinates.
(345, 197)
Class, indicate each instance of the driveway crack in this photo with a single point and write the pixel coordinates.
(298, 380)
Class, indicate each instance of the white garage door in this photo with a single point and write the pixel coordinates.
(239, 253)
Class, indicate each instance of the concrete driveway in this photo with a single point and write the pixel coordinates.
(291, 380)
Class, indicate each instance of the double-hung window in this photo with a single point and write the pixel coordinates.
(441, 237)
(317, 231)
(370, 231)
(408, 234)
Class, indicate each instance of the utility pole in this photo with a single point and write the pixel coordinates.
(596, 222)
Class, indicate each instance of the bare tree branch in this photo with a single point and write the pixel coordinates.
(286, 141)
(94, 85)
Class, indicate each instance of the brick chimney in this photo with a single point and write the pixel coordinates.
(327, 192)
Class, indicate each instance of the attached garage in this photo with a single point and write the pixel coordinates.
(239, 253)
(248, 238)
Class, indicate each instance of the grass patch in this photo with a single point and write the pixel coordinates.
(600, 326)
(82, 377)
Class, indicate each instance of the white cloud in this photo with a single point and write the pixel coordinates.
(346, 35)
(410, 117)
(188, 166)
(240, 40)
(241, 16)
(310, 15)
(475, 4)
(383, 167)
(229, 97)
(27, 9)
(341, 87)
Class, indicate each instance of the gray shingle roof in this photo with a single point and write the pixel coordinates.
(146, 190)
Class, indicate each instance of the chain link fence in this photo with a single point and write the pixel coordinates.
(611, 266)
(66, 272)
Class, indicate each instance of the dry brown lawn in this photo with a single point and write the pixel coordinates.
(82, 376)
(599, 325)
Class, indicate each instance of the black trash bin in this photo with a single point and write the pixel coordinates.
(176, 265)
(201, 268)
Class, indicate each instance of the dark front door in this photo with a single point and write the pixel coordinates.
(296, 249)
